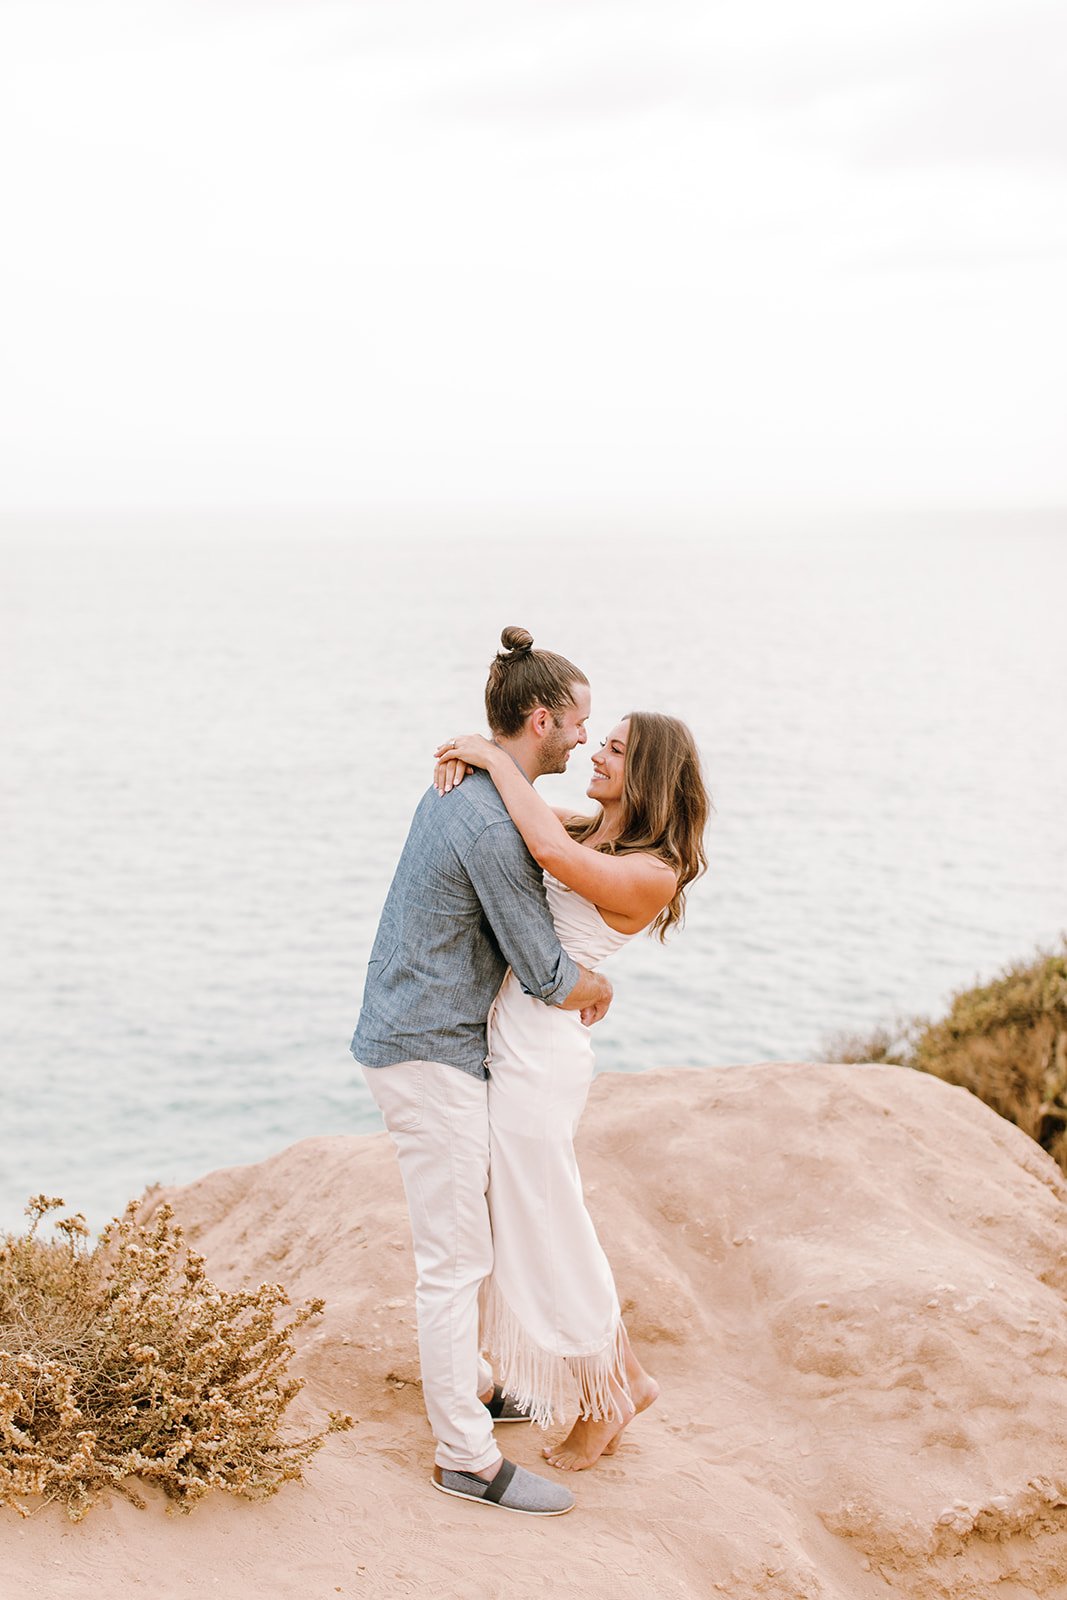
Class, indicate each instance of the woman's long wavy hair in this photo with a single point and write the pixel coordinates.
(665, 805)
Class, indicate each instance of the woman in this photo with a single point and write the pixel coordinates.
(550, 1310)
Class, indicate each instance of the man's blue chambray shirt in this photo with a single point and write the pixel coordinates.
(466, 902)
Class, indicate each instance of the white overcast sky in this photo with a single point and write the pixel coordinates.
(562, 253)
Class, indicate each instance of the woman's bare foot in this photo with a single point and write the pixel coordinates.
(589, 1440)
(643, 1388)
(643, 1393)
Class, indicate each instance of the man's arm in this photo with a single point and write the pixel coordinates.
(512, 895)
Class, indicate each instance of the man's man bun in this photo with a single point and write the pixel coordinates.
(521, 678)
(516, 639)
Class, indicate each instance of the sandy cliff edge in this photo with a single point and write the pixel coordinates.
(850, 1281)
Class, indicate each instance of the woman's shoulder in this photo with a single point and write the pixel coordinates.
(659, 862)
(646, 860)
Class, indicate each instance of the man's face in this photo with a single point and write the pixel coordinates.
(566, 732)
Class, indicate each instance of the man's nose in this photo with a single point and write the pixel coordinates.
(582, 736)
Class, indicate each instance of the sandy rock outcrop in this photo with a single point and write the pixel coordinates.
(850, 1281)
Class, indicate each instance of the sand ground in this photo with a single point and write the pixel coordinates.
(850, 1282)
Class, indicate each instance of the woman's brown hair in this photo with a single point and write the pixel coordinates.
(665, 805)
(521, 678)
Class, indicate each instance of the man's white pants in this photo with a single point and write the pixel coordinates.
(439, 1122)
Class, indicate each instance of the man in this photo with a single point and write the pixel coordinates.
(466, 902)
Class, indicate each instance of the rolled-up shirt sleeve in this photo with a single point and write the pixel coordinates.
(509, 885)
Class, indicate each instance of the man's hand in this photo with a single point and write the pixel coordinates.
(591, 1014)
(590, 997)
(599, 1006)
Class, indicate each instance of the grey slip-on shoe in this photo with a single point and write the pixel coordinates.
(513, 1489)
(502, 1408)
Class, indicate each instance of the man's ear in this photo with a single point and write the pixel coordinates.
(540, 721)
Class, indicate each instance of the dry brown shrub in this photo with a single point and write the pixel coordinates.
(1006, 1041)
(125, 1361)
(892, 1045)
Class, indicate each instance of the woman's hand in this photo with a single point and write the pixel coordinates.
(449, 774)
(458, 757)
(468, 747)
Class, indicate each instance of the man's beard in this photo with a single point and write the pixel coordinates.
(555, 749)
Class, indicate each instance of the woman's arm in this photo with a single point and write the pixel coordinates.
(567, 814)
(633, 886)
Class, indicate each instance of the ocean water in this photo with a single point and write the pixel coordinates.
(214, 738)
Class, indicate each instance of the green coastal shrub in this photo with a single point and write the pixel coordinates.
(1006, 1041)
(124, 1361)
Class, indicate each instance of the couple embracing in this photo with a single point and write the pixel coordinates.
(474, 1037)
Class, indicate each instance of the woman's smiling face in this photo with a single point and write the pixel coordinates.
(609, 763)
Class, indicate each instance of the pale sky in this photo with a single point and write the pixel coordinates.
(652, 254)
